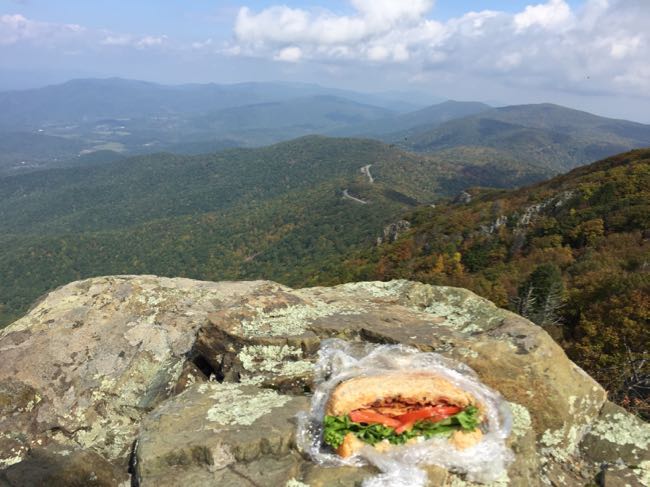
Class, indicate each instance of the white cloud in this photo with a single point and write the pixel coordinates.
(150, 41)
(198, 45)
(117, 40)
(391, 11)
(17, 28)
(623, 46)
(289, 54)
(69, 38)
(548, 45)
(552, 15)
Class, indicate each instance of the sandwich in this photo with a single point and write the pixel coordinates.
(400, 408)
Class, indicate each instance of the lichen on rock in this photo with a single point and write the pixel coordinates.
(642, 471)
(235, 406)
(277, 359)
(289, 320)
(622, 429)
(295, 483)
(521, 421)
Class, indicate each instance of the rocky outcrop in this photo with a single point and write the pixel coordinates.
(463, 198)
(393, 231)
(182, 382)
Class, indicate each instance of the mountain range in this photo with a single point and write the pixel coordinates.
(52, 126)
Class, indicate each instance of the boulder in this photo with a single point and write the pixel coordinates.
(92, 357)
(617, 437)
(62, 467)
(198, 383)
(215, 427)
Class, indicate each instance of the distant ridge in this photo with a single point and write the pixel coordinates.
(556, 137)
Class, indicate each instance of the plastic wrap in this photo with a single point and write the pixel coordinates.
(339, 361)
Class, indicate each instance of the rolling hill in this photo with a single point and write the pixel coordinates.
(42, 126)
(278, 211)
(266, 123)
(96, 99)
(430, 116)
(552, 136)
(20, 151)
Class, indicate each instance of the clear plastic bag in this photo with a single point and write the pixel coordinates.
(339, 361)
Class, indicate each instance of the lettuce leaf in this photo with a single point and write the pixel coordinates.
(336, 427)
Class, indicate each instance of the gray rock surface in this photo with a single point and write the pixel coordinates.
(198, 383)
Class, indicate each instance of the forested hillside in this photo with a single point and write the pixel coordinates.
(552, 136)
(287, 212)
(572, 254)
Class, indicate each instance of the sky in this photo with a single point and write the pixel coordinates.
(588, 54)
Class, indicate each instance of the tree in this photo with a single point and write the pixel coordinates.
(540, 297)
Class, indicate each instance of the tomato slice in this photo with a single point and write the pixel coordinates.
(369, 416)
(404, 427)
(438, 412)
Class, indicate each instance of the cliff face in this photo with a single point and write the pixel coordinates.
(198, 383)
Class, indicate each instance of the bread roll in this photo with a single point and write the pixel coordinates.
(417, 388)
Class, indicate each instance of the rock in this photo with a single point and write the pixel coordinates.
(100, 353)
(63, 468)
(317, 476)
(617, 476)
(209, 376)
(210, 427)
(393, 231)
(463, 198)
(617, 436)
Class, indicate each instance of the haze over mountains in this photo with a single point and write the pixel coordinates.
(49, 126)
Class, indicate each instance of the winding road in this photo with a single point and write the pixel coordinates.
(348, 196)
(366, 170)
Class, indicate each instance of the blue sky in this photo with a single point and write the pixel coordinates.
(189, 19)
(590, 54)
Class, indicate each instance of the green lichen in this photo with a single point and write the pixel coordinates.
(300, 367)
(623, 429)
(521, 421)
(29, 407)
(502, 481)
(251, 381)
(642, 471)
(455, 317)
(236, 407)
(561, 443)
(277, 359)
(466, 352)
(462, 310)
(289, 321)
(295, 483)
(377, 289)
(8, 462)
(15, 455)
(111, 435)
